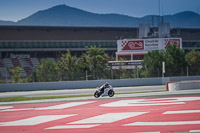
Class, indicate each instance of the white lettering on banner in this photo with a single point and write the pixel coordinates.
(150, 102)
(135, 45)
(35, 120)
(152, 44)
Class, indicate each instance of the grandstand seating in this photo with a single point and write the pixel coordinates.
(51, 59)
(23, 72)
(35, 62)
(15, 62)
(28, 60)
(8, 63)
(23, 62)
(27, 64)
(27, 70)
(4, 72)
(1, 63)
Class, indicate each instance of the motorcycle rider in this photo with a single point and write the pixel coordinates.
(104, 86)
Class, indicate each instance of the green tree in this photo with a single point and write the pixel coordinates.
(84, 67)
(67, 66)
(152, 64)
(16, 74)
(175, 61)
(193, 60)
(46, 71)
(95, 60)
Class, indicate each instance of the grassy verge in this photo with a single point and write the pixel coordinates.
(12, 99)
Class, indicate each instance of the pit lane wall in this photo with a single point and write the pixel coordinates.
(91, 83)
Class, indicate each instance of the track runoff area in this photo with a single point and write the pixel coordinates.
(127, 115)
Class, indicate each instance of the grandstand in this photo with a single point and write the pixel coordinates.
(25, 46)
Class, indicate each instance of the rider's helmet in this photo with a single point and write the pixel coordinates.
(106, 84)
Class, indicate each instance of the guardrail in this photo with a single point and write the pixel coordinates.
(91, 83)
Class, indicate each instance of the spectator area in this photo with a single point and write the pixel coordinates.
(27, 64)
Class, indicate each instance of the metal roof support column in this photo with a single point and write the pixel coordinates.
(131, 56)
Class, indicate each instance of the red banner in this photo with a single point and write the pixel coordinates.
(133, 45)
(168, 42)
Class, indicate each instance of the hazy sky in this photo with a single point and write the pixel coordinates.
(15, 10)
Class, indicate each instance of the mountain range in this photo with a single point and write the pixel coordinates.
(63, 15)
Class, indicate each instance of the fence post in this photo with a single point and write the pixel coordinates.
(86, 75)
(163, 69)
(6, 78)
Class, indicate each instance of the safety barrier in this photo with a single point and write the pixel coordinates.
(91, 83)
(184, 85)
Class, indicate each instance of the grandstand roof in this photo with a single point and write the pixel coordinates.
(64, 33)
(82, 33)
(35, 38)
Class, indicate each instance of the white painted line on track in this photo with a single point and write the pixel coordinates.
(5, 107)
(60, 106)
(17, 109)
(148, 132)
(140, 102)
(35, 120)
(108, 118)
(150, 102)
(182, 111)
(163, 123)
(194, 131)
(73, 126)
(66, 105)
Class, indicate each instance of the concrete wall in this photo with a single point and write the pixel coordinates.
(90, 83)
(184, 85)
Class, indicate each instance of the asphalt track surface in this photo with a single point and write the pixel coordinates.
(155, 114)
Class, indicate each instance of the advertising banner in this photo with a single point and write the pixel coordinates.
(153, 44)
(171, 41)
(131, 45)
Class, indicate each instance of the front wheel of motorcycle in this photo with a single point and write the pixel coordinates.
(111, 93)
(96, 94)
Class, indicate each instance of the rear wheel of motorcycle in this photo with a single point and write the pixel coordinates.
(111, 93)
(96, 94)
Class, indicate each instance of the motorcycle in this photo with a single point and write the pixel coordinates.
(107, 92)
